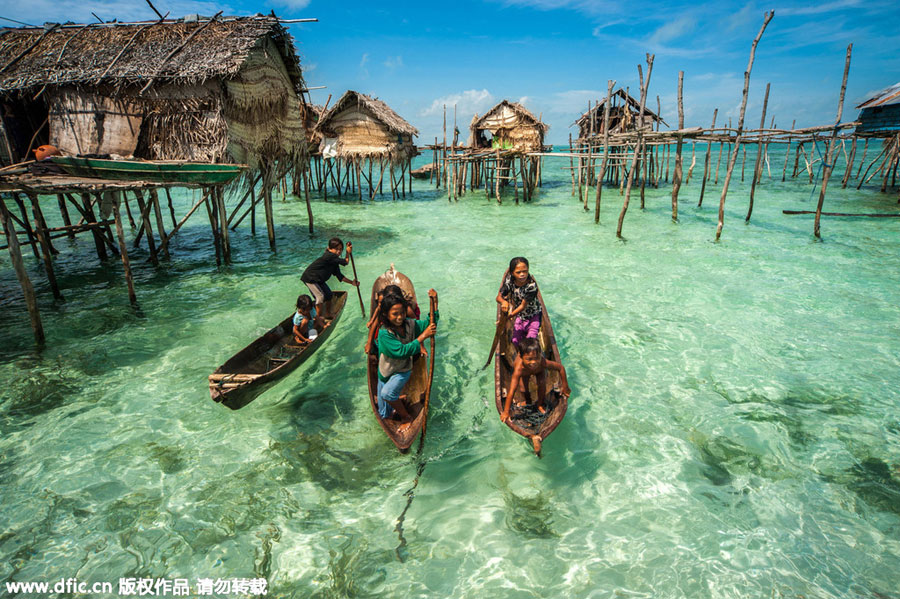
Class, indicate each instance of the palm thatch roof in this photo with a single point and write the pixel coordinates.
(525, 116)
(377, 108)
(131, 54)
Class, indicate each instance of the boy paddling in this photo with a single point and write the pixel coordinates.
(323, 268)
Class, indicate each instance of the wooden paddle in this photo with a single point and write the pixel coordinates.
(501, 327)
(433, 303)
(358, 292)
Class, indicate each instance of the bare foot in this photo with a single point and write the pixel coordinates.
(403, 427)
(536, 444)
(504, 417)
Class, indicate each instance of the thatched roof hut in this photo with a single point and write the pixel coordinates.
(880, 116)
(623, 116)
(361, 127)
(226, 89)
(511, 126)
(310, 115)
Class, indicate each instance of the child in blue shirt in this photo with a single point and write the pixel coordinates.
(307, 322)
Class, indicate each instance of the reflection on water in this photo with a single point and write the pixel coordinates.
(733, 429)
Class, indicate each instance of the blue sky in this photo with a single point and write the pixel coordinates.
(557, 55)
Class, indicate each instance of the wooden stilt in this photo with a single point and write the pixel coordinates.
(64, 212)
(759, 153)
(26, 226)
(154, 199)
(828, 167)
(165, 242)
(309, 213)
(128, 212)
(733, 158)
(609, 89)
(644, 87)
(123, 249)
(676, 177)
(270, 216)
(208, 202)
(706, 161)
(148, 229)
(787, 153)
(219, 195)
(15, 255)
(40, 231)
(89, 215)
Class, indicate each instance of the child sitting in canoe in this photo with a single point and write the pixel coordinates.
(531, 363)
(323, 268)
(400, 339)
(518, 297)
(307, 321)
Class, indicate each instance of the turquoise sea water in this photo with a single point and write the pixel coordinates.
(734, 427)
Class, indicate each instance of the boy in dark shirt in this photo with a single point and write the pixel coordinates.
(323, 268)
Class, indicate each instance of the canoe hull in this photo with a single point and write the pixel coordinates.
(521, 421)
(237, 392)
(418, 382)
(148, 170)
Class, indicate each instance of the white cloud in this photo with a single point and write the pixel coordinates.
(393, 62)
(467, 102)
(673, 30)
(364, 60)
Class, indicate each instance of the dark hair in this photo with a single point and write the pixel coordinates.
(335, 243)
(529, 346)
(515, 262)
(304, 302)
(387, 302)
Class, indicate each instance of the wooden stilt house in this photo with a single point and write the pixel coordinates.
(880, 114)
(226, 89)
(508, 126)
(623, 116)
(359, 132)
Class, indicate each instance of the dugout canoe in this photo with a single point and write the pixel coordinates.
(418, 383)
(257, 367)
(524, 420)
(161, 171)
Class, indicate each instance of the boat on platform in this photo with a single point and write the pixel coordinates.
(267, 360)
(415, 390)
(524, 418)
(160, 171)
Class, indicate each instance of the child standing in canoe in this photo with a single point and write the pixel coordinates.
(519, 298)
(400, 339)
(323, 268)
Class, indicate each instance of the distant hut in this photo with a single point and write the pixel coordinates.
(359, 129)
(310, 115)
(623, 116)
(510, 126)
(224, 89)
(880, 116)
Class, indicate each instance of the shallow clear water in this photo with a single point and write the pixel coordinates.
(734, 428)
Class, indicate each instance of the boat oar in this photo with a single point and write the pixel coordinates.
(430, 373)
(358, 292)
(501, 326)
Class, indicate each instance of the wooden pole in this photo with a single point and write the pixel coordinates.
(29, 232)
(849, 169)
(676, 176)
(171, 206)
(219, 194)
(165, 242)
(609, 88)
(154, 199)
(759, 153)
(862, 160)
(64, 212)
(212, 225)
(733, 158)
(89, 214)
(123, 249)
(309, 212)
(270, 216)
(828, 166)
(644, 86)
(148, 229)
(787, 153)
(15, 255)
(706, 161)
(46, 255)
